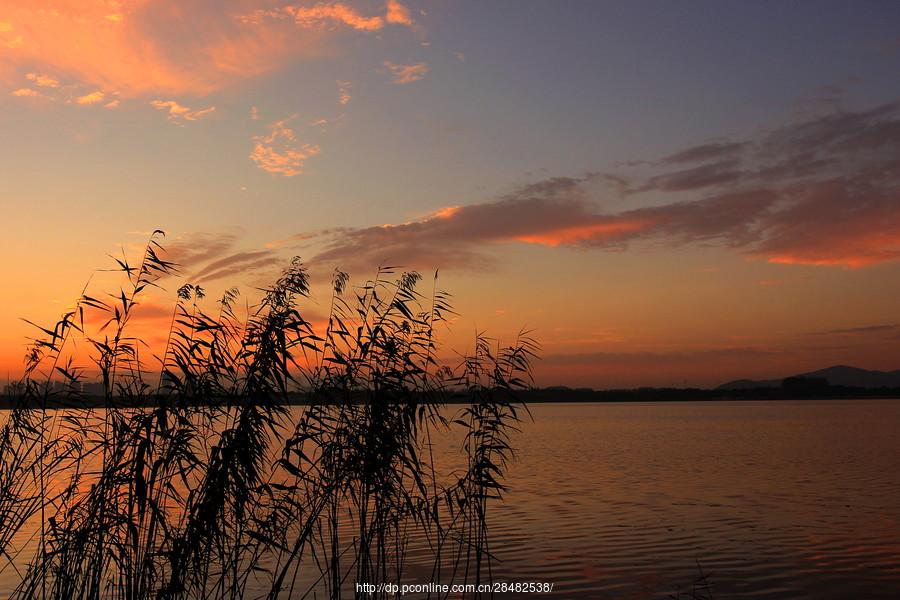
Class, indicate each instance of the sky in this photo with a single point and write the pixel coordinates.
(666, 193)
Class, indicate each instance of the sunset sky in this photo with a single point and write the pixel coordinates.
(663, 191)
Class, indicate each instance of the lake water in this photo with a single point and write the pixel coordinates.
(772, 500)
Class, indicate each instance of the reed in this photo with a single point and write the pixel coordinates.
(195, 480)
(700, 588)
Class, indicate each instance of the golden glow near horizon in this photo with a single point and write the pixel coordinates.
(703, 217)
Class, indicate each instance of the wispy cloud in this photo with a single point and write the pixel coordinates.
(710, 151)
(178, 113)
(324, 15)
(191, 251)
(553, 213)
(239, 263)
(95, 97)
(344, 96)
(864, 330)
(203, 257)
(137, 48)
(9, 38)
(398, 14)
(101, 53)
(822, 192)
(42, 80)
(25, 93)
(49, 88)
(280, 152)
(403, 74)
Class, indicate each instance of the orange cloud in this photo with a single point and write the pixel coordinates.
(582, 233)
(134, 47)
(42, 80)
(320, 14)
(404, 74)
(397, 14)
(851, 222)
(447, 212)
(854, 250)
(8, 37)
(824, 192)
(91, 98)
(137, 48)
(325, 15)
(24, 93)
(280, 152)
(861, 251)
(177, 112)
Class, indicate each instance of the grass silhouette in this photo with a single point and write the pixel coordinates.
(195, 480)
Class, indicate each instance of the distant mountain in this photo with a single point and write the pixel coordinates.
(838, 375)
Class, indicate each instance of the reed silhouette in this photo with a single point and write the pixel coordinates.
(195, 479)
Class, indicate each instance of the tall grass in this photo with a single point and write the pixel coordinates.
(195, 479)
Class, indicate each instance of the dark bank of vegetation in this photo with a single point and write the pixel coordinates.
(165, 489)
(792, 391)
(802, 391)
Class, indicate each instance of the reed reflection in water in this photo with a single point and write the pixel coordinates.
(776, 500)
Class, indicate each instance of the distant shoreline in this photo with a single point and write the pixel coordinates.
(558, 396)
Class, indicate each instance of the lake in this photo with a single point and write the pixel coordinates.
(772, 499)
(777, 500)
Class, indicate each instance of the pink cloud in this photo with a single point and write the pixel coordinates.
(206, 257)
(326, 15)
(398, 14)
(322, 14)
(403, 74)
(177, 112)
(280, 152)
(344, 96)
(135, 48)
(95, 97)
(823, 192)
(42, 80)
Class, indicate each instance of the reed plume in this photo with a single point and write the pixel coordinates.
(263, 457)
